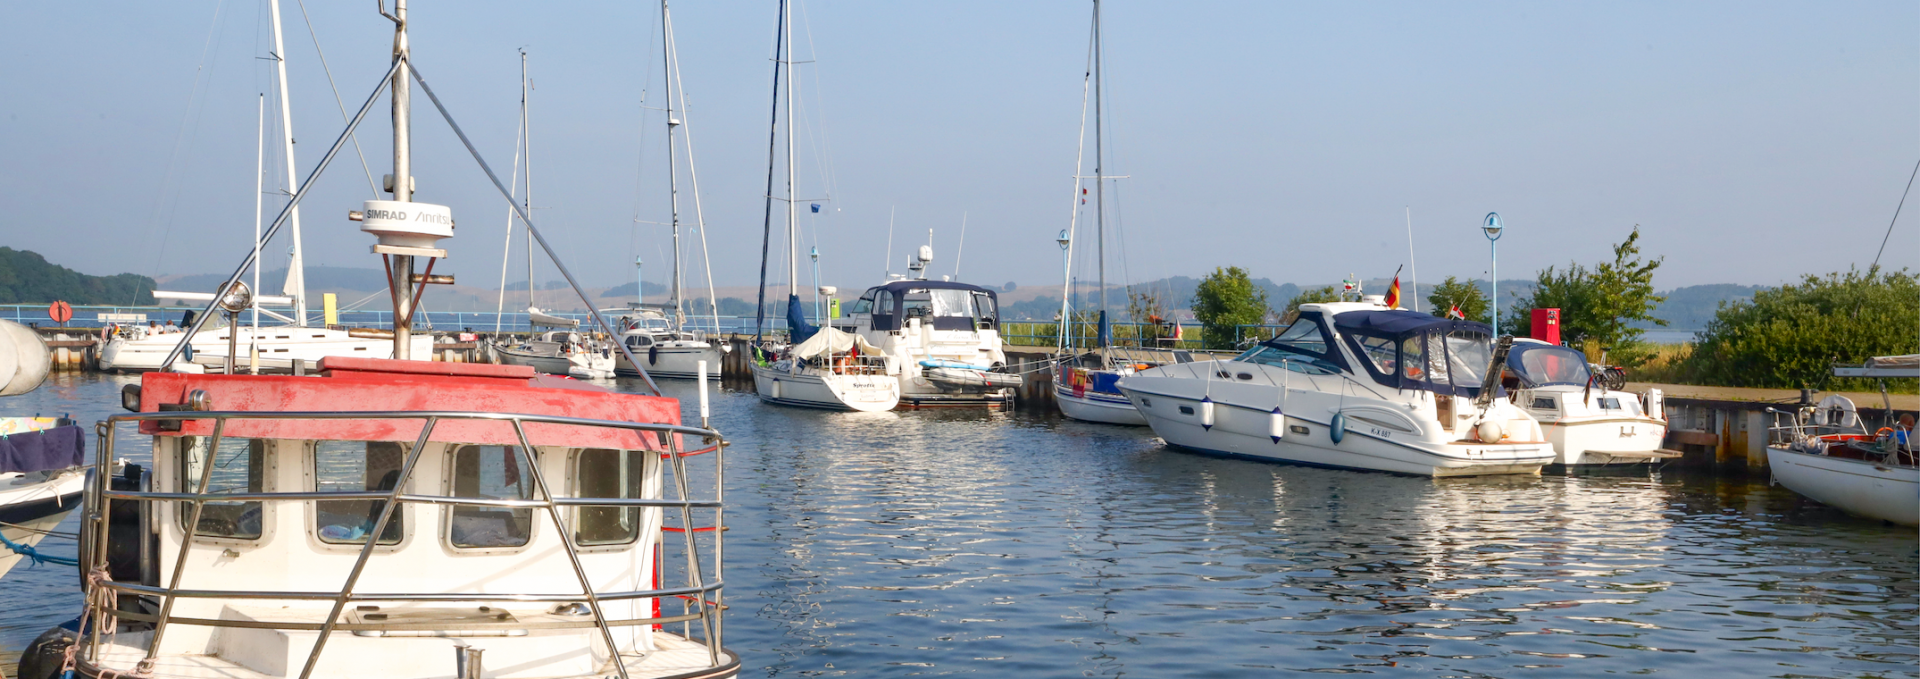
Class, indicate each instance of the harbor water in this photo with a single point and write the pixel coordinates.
(1020, 544)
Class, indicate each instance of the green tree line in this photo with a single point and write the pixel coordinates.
(28, 278)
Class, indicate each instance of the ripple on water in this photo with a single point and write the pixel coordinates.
(891, 544)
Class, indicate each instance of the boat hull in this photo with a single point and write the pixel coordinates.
(1097, 406)
(1869, 489)
(30, 509)
(672, 362)
(551, 365)
(829, 391)
(278, 348)
(1606, 442)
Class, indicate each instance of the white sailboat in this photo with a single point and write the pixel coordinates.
(263, 349)
(670, 347)
(1086, 385)
(825, 368)
(1826, 453)
(1352, 385)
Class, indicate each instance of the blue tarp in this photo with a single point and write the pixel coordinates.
(797, 320)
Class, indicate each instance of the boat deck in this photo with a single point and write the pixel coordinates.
(675, 658)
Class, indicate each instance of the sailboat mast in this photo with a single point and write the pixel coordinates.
(402, 280)
(1099, 176)
(793, 242)
(526, 139)
(259, 176)
(296, 267)
(673, 167)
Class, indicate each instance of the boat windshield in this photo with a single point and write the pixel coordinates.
(1302, 347)
(939, 303)
(1408, 350)
(1544, 364)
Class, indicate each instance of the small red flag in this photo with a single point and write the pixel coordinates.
(1455, 313)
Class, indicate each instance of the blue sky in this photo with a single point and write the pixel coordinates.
(1752, 142)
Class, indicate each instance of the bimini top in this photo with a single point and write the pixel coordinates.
(1539, 364)
(1411, 350)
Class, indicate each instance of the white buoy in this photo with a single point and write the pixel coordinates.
(24, 359)
(1206, 412)
(1276, 424)
(776, 389)
(1489, 431)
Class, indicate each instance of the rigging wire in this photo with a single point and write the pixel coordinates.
(189, 116)
(371, 186)
(1896, 215)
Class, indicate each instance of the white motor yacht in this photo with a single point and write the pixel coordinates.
(832, 370)
(556, 352)
(943, 339)
(669, 352)
(1589, 425)
(1351, 385)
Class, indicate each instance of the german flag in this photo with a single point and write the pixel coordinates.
(1393, 292)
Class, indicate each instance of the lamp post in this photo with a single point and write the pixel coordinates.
(1066, 270)
(639, 280)
(1493, 228)
(815, 255)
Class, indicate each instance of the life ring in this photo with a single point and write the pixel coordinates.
(1884, 431)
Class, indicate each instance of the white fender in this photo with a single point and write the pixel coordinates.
(24, 359)
(1276, 425)
(1206, 412)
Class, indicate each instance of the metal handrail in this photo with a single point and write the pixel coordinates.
(697, 591)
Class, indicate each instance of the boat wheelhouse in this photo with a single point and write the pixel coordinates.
(942, 339)
(1352, 385)
(533, 525)
(1589, 424)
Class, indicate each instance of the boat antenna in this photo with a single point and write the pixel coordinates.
(1415, 272)
(962, 247)
(887, 275)
(773, 136)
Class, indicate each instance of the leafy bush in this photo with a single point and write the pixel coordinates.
(1225, 300)
(1599, 305)
(1466, 294)
(1790, 336)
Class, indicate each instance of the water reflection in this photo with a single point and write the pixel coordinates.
(889, 544)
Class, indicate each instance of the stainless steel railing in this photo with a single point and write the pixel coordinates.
(701, 598)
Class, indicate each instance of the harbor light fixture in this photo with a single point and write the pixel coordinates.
(1493, 228)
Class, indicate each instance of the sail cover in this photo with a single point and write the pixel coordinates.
(797, 324)
(827, 340)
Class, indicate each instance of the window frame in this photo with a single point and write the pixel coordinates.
(574, 483)
(310, 472)
(182, 509)
(450, 456)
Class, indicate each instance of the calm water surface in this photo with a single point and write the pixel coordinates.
(896, 544)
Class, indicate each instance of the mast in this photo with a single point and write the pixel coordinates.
(1099, 179)
(402, 189)
(673, 167)
(259, 175)
(526, 136)
(793, 242)
(296, 267)
(773, 131)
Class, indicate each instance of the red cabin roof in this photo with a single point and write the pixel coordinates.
(350, 384)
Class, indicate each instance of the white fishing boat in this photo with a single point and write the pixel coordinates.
(368, 520)
(667, 350)
(1826, 453)
(942, 340)
(1590, 425)
(832, 370)
(1352, 385)
(41, 458)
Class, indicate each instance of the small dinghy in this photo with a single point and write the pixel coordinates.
(961, 375)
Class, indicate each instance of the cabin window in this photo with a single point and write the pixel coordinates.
(864, 305)
(1304, 334)
(603, 473)
(494, 473)
(1543, 404)
(984, 304)
(239, 466)
(639, 341)
(1609, 404)
(1379, 351)
(356, 467)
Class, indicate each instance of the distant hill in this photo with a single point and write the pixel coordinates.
(332, 278)
(1691, 307)
(28, 278)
